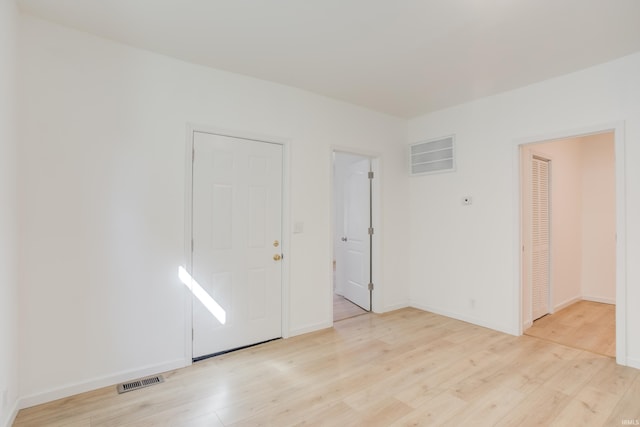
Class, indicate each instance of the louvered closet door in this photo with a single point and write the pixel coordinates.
(540, 268)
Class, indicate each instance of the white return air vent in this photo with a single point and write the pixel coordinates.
(436, 155)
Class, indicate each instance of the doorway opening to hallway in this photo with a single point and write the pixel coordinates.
(353, 234)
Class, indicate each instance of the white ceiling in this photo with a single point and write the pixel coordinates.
(402, 57)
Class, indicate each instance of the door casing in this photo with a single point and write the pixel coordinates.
(377, 255)
(188, 223)
(621, 278)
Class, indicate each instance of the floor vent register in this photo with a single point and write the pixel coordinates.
(141, 383)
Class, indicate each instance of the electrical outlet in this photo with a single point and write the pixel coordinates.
(467, 200)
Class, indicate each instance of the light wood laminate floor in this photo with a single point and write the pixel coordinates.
(585, 325)
(344, 309)
(404, 368)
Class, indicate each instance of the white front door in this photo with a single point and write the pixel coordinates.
(237, 233)
(355, 262)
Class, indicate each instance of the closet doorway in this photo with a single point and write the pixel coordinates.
(569, 241)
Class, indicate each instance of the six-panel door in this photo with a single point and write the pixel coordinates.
(237, 229)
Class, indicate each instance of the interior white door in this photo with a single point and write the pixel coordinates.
(540, 238)
(237, 233)
(355, 242)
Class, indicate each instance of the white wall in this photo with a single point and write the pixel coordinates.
(459, 253)
(598, 219)
(102, 177)
(8, 214)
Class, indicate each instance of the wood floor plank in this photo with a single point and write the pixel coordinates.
(627, 411)
(382, 412)
(586, 325)
(539, 408)
(344, 309)
(591, 406)
(576, 373)
(487, 409)
(404, 368)
(434, 408)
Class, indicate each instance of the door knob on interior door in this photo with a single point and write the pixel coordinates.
(344, 239)
(277, 257)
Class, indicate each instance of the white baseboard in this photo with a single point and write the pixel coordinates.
(96, 383)
(464, 318)
(573, 300)
(394, 307)
(527, 325)
(310, 328)
(633, 363)
(8, 422)
(566, 303)
(600, 299)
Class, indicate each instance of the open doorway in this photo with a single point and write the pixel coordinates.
(353, 235)
(569, 241)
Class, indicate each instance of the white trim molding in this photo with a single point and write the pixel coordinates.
(602, 300)
(464, 318)
(8, 422)
(96, 383)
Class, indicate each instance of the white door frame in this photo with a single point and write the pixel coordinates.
(376, 247)
(621, 253)
(188, 223)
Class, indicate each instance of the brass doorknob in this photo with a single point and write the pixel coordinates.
(277, 257)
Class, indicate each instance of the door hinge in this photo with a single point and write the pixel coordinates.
(370, 175)
(191, 334)
(370, 231)
(370, 286)
(193, 155)
(191, 245)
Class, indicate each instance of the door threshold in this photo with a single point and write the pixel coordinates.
(220, 353)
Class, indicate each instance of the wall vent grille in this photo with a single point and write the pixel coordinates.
(433, 156)
(141, 383)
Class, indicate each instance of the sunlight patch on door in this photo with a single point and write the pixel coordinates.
(202, 295)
